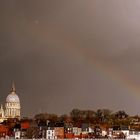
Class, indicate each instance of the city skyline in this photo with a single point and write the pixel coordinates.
(71, 54)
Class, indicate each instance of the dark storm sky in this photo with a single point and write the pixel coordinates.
(61, 54)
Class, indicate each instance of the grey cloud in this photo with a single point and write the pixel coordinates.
(49, 48)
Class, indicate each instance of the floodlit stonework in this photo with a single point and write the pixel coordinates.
(12, 106)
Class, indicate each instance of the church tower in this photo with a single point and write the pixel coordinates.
(12, 106)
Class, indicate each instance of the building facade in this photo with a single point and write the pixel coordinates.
(12, 106)
(50, 133)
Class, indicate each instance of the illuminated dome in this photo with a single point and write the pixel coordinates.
(12, 97)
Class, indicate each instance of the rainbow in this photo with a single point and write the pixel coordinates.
(51, 35)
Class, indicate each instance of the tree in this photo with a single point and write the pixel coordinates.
(121, 114)
(42, 116)
(53, 117)
(103, 116)
(90, 115)
(120, 118)
(75, 115)
(32, 133)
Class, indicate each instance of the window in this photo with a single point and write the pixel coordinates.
(48, 132)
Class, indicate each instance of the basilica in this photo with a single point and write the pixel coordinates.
(12, 106)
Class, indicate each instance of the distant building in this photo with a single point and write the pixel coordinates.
(2, 115)
(85, 128)
(12, 106)
(77, 131)
(17, 134)
(59, 132)
(133, 134)
(50, 133)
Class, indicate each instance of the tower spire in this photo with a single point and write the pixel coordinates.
(13, 89)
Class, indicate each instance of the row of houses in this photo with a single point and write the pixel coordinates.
(85, 132)
(31, 129)
(57, 132)
(79, 133)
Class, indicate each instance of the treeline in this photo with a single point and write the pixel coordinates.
(77, 117)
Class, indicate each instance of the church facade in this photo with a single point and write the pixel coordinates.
(12, 106)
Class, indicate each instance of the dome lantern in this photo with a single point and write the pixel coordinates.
(13, 89)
